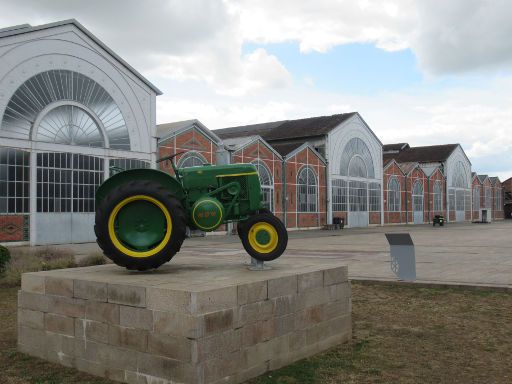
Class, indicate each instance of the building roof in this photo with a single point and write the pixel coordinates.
(408, 167)
(237, 143)
(394, 147)
(494, 180)
(164, 131)
(482, 178)
(287, 129)
(426, 154)
(286, 148)
(27, 28)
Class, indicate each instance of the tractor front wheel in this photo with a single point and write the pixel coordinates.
(264, 237)
(140, 225)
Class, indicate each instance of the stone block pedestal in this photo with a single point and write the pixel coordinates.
(191, 321)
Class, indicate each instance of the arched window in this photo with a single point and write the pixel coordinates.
(70, 124)
(306, 190)
(417, 196)
(497, 200)
(476, 198)
(356, 148)
(438, 196)
(191, 159)
(66, 107)
(394, 195)
(357, 167)
(488, 197)
(267, 184)
(459, 176)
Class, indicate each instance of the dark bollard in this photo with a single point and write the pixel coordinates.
(403, 259)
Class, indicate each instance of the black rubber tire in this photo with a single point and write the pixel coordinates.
(156, 191)
(282, 236)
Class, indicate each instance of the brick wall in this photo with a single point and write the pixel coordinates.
(293, 165)
(436, 176)
(14, 228)
(190, 140)
(259, 151)
(393, 170)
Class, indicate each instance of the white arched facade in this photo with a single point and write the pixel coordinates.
(355, 173)
(70, 109)
(458, 171)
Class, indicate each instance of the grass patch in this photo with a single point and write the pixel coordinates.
(415, 335)
(96, 258)
(29, 259)
(400, 335)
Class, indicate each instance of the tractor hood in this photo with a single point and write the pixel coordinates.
(218, 171)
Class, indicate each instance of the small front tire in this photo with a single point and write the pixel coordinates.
(264, 237)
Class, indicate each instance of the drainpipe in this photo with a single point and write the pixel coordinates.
(406, 201)
(284, 192)
(428, 200)
(328, 182)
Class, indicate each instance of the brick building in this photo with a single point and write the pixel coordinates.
(507, 197)
(317, 169)
(411, 196)
(447, 160)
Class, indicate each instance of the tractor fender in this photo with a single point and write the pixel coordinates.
(167, 181)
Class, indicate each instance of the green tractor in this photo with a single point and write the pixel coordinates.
(142, 215)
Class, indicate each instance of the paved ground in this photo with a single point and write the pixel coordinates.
(475, 254)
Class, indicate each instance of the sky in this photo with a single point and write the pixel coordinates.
(422, 72)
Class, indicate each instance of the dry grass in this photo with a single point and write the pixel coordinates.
(27, 259)
(416, 335)
(401, 335)
(96, 258)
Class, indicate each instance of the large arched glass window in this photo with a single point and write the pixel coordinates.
(393, 195)
(438, 196)
(267, 184)
(357, 167)
(191, 159)
(66, 107)
(417, 196)
(356, 148)
(459, 176)
(70, 124)
(307, 190)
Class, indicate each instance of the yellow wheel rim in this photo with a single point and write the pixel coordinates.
(114, 235)
(263, 237)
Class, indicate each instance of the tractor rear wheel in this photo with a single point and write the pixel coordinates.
(140, 225)
(264, 237)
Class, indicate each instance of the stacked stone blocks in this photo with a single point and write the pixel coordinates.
(140, 333)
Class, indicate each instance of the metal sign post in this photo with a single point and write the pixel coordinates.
(403, 258)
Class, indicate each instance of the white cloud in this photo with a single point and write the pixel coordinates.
(462, 35)
(185, 40)
(321, 25)
(479, 119)
(192, 50)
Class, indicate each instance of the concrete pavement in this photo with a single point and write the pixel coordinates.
(472, 254)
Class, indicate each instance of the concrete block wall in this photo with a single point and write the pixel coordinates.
(137, 333)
